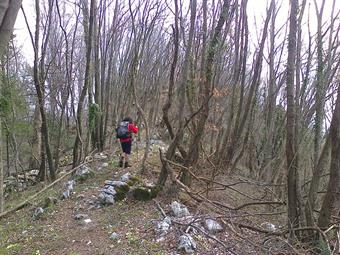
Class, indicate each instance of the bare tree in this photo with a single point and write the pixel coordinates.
(8, 13)
(331, 202)
(291, 153)
(78, 144)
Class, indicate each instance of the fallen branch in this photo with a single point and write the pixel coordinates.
(160, 208)
(225, 186)
(214, 238)
(28, 200)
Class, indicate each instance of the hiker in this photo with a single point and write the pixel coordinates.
(124, 134)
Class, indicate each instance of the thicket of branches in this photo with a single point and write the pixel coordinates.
(259, 101)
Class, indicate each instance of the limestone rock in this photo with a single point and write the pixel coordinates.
(213, 226)
(187, 244)
(179, 209)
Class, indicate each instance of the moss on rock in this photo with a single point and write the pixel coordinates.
(134, 180)
(84, 176)
(122, 191)
(145, 193)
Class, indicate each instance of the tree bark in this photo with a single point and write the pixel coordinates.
(8, 13)
(291, 153)
(78, 144)
(319, 86)
(192, 156)
(331, 202)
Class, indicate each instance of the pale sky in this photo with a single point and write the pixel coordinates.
(256, 11)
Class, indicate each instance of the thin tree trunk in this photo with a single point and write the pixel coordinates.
(319, 86)
(252, 91)
(193, 153)
(2, 199)
(8, 14)
(291, 153)
(78, 144)
(331, 202)
(36, 139)
(314, 185)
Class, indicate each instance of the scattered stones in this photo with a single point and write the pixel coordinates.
(66, 194)
(104, 165)
(100, 155)
(126, 177)
(33, 172)
(179, 209)
(187, 244)
(80, 216)
(106, 199)
(269, 226)
(70, 185)
(87, 221)
(20, 183)
(115, 183)
(213, 226)
(127, 186)
(38, 213)
(160, 239)
(114, 236)
(163, 226)
(108, 189)
(83, 173)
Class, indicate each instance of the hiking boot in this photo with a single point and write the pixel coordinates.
(127, 165)
(121, 162)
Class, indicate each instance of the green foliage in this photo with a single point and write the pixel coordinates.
(323, 248)
(11, 98)
(14, 248)
(94, 114)
(13, 107)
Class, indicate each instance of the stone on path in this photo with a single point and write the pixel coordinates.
(37, 213)
(187, 244)
(213, 226)
(179, 209)
(163, 226)
(114, 236)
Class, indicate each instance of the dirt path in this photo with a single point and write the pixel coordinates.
(58, 232)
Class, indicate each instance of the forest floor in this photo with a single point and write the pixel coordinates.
(58, 232)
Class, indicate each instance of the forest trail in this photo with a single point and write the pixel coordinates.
(126, 227)
(58, 232)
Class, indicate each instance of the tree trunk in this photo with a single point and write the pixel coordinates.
(291, 153)
(78, 144)
(39, 73)
(331, 202)
(192, 156)
(319, 87)
(2, 199)
(8, 13)
(314, 185)
(36, 139)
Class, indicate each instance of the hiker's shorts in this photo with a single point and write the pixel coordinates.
(126, 147)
